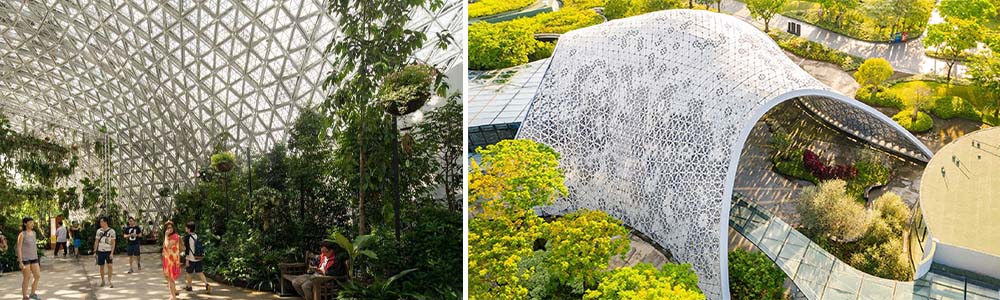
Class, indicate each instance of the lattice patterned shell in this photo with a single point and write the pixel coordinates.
(167, 77)
(650, 114)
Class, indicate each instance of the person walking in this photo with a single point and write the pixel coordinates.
(193, 256)
(74, 234)
(133, 233)
(104, 243)
(27, 258)
(171, 257)
(61, 239)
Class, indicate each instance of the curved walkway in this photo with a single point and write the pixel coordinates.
(906, 57)
(820, 275)
(68, 278)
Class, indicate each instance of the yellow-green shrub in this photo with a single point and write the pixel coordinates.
(492, 7)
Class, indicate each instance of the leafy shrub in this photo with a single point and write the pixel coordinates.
(885, 260)
(564, 20)
(643, 281)
(491, 7)
(990, 119)
(923, 123)
(954, 106)
(753, 276)
(580, 244)
(791, 165)
(815, 51)
(869, 173)
(500, 45)
(819, 169)
(543, 51)
(583, 3)
(827, 211)
(881, 98)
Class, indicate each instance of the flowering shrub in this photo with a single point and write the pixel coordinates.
(819, 169)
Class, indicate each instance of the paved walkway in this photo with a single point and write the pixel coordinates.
(905, 57)
(68, 278)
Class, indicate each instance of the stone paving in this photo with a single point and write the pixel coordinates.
(69, 278)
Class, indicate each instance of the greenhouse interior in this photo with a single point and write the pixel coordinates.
(264, 149)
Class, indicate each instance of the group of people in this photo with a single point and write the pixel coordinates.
(104, 246)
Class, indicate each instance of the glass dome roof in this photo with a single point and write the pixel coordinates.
(165, 79)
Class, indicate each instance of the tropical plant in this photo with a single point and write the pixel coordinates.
(379, 289)
(355, 249)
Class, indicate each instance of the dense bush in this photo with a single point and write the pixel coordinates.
(753, 276)
(881, 98)
(883, 254)
(644, 281)
(869, 173)
(954, 107)
(815, 51)
(583, 3)
(905, 119)
(819, 168)
(500, 45)
(491, 7)
(564, 20)
(828, 212)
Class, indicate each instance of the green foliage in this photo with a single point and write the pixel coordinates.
(984, 71)
(873, 72)
(223, 161)
(355, 249)
(379, 289)
(953, 37)
(954, 107)
(412, 83)
(580, 243)
(583, 3)
(828, 211)
(870, 172)
(617, 9)
(815, 51)
(483, 8)
(643, 281)
(564, 20)
(442, 132)
(518, 174)
(883, 254)
(765, 10)
(499, 45)
(543, 51)
(753, 276)
(977, 10)
(905, 119)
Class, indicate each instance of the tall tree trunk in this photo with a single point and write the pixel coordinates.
(690, 4)
(767, 25)
(916, 111)
(950, 63)
(362, 229)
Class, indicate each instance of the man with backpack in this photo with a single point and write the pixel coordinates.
(104, 243)
(133, 233)
(193, 254)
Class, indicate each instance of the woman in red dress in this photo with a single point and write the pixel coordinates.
(171, 257)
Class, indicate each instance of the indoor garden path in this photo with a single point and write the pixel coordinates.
(68, 278)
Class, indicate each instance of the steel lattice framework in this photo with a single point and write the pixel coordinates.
(166, 78)
(650, 115)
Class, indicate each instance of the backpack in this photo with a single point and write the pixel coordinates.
(199, 250)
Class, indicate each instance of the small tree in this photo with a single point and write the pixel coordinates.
(952, 38)
(872, 73)
(765, 10)
(828, 211)
(919, 100)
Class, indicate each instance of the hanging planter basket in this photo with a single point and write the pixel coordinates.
(223, 161)
(407, 90)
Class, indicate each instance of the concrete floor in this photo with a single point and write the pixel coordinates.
(68, 278)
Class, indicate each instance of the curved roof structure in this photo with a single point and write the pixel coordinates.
(166, 78)
(650, 114)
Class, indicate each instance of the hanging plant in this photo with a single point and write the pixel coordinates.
(406, 90)
(223, 161)
(163, 192)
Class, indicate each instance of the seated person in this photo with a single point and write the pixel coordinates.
(321, 265)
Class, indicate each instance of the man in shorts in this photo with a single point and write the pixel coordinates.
(104, 243)
(133, 233)
(192, 259)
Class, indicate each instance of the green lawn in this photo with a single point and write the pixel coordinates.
(854, 23)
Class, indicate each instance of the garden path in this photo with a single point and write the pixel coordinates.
(905, 57)
(68, 278)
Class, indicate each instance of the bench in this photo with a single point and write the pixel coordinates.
(324, 287)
